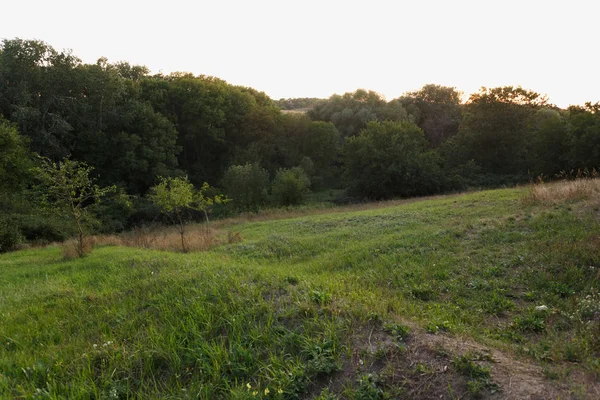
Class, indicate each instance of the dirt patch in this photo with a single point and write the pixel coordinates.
(423, 366)
(516, 378)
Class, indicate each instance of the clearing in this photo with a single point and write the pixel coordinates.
(491, 294)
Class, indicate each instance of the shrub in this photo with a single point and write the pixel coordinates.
(10, 236)
(247, 185)
(290, 186)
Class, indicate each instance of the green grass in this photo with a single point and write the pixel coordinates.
(282, 313)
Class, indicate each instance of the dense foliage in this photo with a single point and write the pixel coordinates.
(391, 159)
(132, 127)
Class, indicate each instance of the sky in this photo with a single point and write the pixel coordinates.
(317, 48)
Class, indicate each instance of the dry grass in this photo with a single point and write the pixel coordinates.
(234, 237)
(567, 190)
(70, 248)
(197, 238)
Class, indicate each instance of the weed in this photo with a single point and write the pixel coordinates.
(320, 297)
(368, 388)
(436, 326)
(423, 291)
(551, 373)
(322, 359)
(530, 322)
(399, 332)
(498, 304)
(479, 376)
(292, 280)
(326, 395)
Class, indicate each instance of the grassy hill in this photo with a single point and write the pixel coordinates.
(492, 294)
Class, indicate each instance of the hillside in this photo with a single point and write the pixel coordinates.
(491, 294)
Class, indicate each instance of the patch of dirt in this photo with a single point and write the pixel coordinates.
(404, 370)
(422, 368)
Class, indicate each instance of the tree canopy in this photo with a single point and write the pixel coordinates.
(130, 127)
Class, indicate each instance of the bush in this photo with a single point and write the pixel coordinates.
(10, 235)
(43, 229)
(247, 185)
(290, 186)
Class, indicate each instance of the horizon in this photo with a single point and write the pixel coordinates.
(316, 50)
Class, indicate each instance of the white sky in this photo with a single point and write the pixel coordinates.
(317, 48)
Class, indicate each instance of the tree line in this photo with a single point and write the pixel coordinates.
(134, 128)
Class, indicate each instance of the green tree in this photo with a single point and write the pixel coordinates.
(496, 130)
(70, 190)
(391, 159)
(351, 112)
(437, 110)
(318, 141)
(290, 186)
(549, 144)
(176, 197)
(248, 184)
(584, 136)
(15, 175)
(15, 159)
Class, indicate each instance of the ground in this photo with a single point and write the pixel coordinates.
(489, 294)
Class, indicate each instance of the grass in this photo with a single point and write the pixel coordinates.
(312, 305)
(565, 190)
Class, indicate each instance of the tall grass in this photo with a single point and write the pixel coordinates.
(198, 238)
(565, 190)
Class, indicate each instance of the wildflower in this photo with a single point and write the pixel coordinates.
(254, 393)
(280, 391)
(249, 386)
(267, 391)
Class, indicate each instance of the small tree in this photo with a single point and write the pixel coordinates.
(177, 196)
(70, 190)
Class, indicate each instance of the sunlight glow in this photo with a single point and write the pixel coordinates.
(317, 48)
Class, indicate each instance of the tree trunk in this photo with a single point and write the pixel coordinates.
(183, 249)
(80, 250)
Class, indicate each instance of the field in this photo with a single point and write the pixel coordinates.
(492, 294)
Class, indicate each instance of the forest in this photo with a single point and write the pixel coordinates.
(130, 129)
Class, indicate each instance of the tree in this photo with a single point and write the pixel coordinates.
(177, 196)
(549, 143)
(40, 93)
(302, 138)
(15, 159)
(247, 184)
(70, 190)
(15, 174)
(584, 136)
(496, 130)
(437, 112)
(290, 186)
(351, 112)
(391, 159)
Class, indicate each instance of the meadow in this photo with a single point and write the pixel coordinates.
(491, 294)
